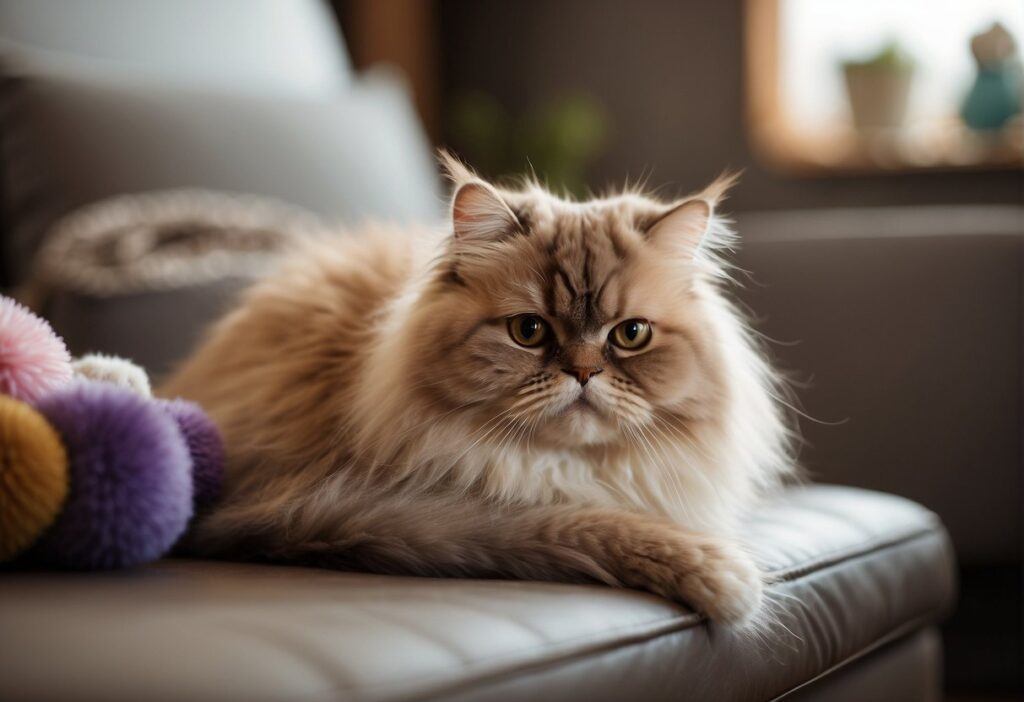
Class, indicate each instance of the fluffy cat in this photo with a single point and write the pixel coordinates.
(546, 390)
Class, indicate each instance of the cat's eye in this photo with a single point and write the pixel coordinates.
(631, 335)
(528, 330)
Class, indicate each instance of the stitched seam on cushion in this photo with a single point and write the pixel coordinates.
(552, 657)
(643, 633)
(820, 562)
(623, 636)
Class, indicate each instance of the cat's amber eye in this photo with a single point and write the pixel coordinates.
(528, 330)
(631, 335)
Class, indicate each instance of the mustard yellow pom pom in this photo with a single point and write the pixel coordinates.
(33, 476)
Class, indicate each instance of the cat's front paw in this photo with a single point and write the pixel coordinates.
(714, 576)
(727, 585)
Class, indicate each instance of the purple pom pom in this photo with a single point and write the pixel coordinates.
(130, 494)
(205, 446)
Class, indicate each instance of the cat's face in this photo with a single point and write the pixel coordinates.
(562, 324)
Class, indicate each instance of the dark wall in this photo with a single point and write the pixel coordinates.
(670, 74)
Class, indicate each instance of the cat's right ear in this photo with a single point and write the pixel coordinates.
(479, 214)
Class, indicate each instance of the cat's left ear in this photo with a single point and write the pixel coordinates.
(684, 226)
(681, 228)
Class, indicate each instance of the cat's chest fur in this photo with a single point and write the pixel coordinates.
(671, 481)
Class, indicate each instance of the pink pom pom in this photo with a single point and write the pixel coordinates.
(33, 359)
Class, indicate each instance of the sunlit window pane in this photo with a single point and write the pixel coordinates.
(816, 36)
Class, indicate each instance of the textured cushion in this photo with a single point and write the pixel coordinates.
(853, 570)
(72, 134)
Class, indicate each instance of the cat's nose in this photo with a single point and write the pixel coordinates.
(582, 373)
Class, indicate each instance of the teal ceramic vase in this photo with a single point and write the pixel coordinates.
(993, 99)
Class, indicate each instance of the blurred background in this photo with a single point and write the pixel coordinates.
(821, 102)
(154, 155)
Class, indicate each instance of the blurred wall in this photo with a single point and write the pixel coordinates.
(669, 73)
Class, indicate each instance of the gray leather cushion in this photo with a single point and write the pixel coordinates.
(852, 569)
(73, 133)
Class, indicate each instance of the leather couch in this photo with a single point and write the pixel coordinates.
(859, 581)
(860, 578)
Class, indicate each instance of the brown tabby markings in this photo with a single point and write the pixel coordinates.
(378, 416)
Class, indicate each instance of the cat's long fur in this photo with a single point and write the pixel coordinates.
(378, 416)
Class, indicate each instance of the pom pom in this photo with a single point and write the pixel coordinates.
(111, 369)
(33, 476)
(205, 447)
(130, 479)
(33, 359)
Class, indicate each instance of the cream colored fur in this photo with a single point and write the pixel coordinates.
(377, 415)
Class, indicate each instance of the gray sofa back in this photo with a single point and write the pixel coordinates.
(903, 326)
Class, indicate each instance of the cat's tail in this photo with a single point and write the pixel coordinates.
(451, 536)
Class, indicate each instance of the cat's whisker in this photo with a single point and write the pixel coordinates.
(666, 471)
(673, 471)
(629, 398)
(516, 437)
(511, 429)
(692, 469)
(801, 413)
(501, 415)
(533, 427)
(641, 442)
(631, 430)
(685, 436)
(532, 389)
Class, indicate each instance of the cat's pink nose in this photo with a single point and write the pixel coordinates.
(582, 373)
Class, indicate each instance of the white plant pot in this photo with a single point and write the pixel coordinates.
(878, 96)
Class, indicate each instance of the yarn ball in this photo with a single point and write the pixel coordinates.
(130, 476)
(205, 447)
(33, 359)
(111, 369)
(33, 476)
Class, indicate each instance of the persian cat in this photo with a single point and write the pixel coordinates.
(545, 389)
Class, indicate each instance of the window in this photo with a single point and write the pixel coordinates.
(868, 85)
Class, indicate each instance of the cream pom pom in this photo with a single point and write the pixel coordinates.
(111, 369)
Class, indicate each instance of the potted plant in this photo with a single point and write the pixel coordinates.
(557, 139)
(878, 88)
